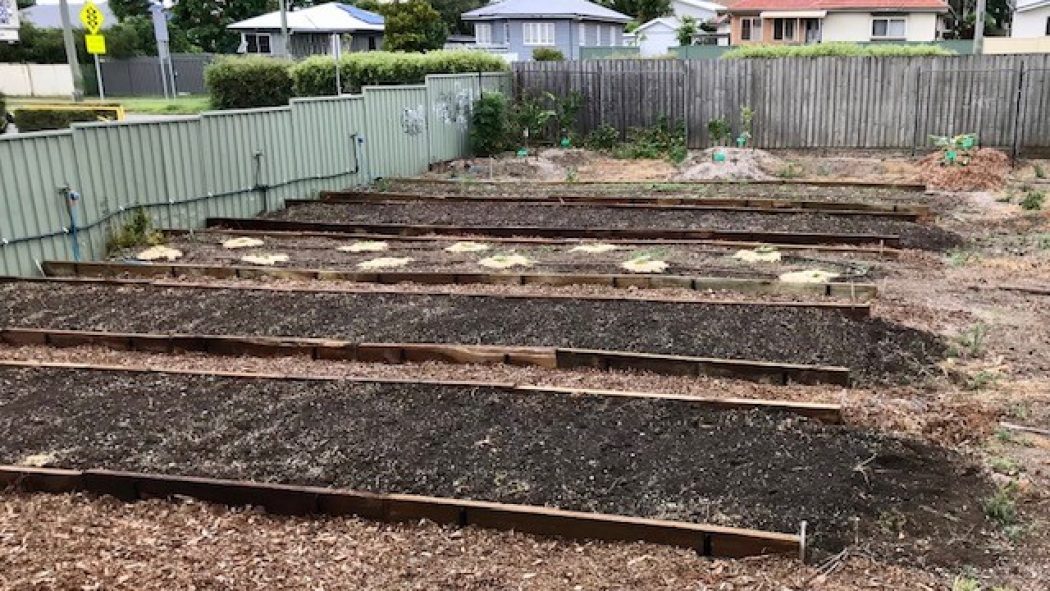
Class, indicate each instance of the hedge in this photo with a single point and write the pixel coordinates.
(250, 81)
(315, 76)
(28, 120)
(834, 49)
(3, 113)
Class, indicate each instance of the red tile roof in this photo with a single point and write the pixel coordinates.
(882, 5)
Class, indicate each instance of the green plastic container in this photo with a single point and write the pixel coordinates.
(523, 152)
(950, 156)
(719, 156)
(967, 143)
(566, 142)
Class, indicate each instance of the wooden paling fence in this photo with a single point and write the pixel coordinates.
(868, 102)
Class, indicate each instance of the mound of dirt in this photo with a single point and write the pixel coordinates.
(985, 170)
(740, 164)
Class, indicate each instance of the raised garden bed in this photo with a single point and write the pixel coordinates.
(873, 349)
(501, 215)
(651, 458)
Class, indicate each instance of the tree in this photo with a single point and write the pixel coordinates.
(126, 8)
(205, 21)
(451, 9)
(413, 26)
(687, 31)
(642, 10)
(963, 16)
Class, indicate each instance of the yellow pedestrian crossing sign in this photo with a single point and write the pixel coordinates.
(92, 18)
(96, 44)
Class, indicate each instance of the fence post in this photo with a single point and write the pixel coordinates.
(918, 92)
(1017, 112)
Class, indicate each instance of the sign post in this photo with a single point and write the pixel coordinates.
(92, 18)
(71, 51)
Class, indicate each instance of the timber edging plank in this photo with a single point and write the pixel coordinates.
(707, 540)
(547, 232)
(911, 213)
(917, 187)
(694, 283)
(394, 353)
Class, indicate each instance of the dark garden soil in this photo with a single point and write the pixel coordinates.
(741, 190)
(912, 235)
(876, 350)
(316, 252)
(638, 457)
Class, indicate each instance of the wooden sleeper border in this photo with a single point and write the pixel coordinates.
(394, 353)
(854, 291)
(911, 213)
(706, 540)
(916, 187)
(546, 232)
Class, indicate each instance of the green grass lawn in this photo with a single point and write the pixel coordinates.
(149, 105)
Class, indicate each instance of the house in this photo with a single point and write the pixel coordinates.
(312, 31)
(659, 35)
(47, 14)
(518, 27)
(814, 21)
(1031, 19)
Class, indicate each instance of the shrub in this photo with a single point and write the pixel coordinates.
(246, 82)
(547, 54)
(833, 49)
(604, 138)
(315, 76)
(135, 231)
(665, 140)
(1001, 507)
(28, 120)
(3, 113)
(490, 130)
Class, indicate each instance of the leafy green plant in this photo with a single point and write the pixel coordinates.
(1033, 201)
(567, 111)
(604, 138)
(248, 81)
(833, 49)
(972, 340)
(137, 230)
(719, 132)
(958, 257)
(981, 380)
(1007, 466)
(687, 31)
(547, 54)
(572, 175)
(1040, 172)
(532, 116)
(490, 128)
(955, 149)
(747, 118)
(791, 170)
(962, 583)
(664, 140)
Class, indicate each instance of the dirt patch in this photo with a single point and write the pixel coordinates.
(986, 169)
(873, 349)
(489, 214)
(634, 457)
(739, 164)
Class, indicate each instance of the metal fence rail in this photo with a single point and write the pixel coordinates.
(871, 102)
(219, 164)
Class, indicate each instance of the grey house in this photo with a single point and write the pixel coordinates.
(316, 30)
(518, 27)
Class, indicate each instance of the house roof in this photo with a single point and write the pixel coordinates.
(670, 22)
(1023, 5)
(704, 4)
(49, 16)
(333, 17)
(545, 9)
(840, 5)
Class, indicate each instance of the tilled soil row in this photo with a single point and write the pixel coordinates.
(912, 235)
(742, 190)
(875, 350)
(316, 252)
(647, 458)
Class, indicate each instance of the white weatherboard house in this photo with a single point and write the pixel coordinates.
(657, 36)
(1031, 19)
(516, 28)
(311, 31)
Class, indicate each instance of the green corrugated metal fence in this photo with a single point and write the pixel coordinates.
(224, 163)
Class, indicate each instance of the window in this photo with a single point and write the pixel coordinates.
(257, 43)
(784, 29)
(539, 33)
(372, 43)
(483, 33)
(613, 36)
(751, 29)
(583, 34)
(888, 28)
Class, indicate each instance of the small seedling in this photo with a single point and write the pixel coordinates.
(972, 340)
(1005, 465)
(1033, 201)
(1040, 172)
(960, 257)
(791, 171)
(981, 380)
(962, 583)
(572, 175)
(1001, 507)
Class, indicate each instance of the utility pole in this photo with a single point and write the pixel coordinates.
(978, 27)
(284, 29)
(71, 51)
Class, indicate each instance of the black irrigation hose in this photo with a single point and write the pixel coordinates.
(137, 206)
